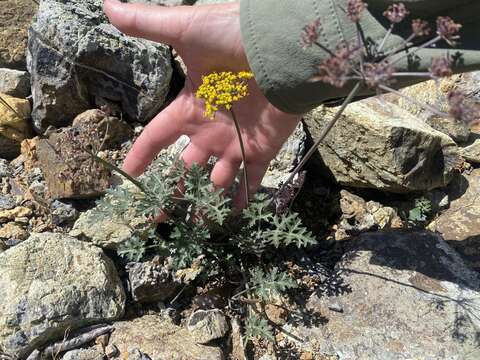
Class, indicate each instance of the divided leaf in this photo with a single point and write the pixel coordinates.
(258, 327)
(268, 286)
(287, 230)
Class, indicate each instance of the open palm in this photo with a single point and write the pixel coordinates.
(208, 39)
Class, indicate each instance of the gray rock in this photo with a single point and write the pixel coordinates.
(83, 354)
(385, 148)
(460, 225)
(147, 332)
(405, 295)
(7, 202)
(14, 83)
(359, 215)
(435, 94)
(39, 188)
(151, 282)
(52, 283)
(107, 233)
(135, 354)
(5, 169)
(79, 61)
(207, 325)
(457, 130)
(471, 151)
(288, 157)
(111, 351)
(63, 213)
(35, 174)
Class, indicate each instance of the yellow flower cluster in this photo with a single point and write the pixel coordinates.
(222, 89)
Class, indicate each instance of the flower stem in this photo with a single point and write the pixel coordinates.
(324, 48)
(414, 101)
(385, 38)
(416, 49)
(326, 129)
(114, 168)
(244, 158)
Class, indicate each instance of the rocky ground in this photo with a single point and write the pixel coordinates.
(391, 195)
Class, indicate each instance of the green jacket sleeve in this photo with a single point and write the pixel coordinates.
(271, 31)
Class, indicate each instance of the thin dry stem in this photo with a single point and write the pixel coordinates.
(328, 127)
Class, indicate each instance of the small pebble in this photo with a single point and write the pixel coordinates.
(63, 213)
(7, 202)
(34, 174)
(22, 220)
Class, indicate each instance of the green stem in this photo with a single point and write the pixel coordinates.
(244, 158)
(114, 168)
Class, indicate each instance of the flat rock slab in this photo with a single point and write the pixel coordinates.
(403, 295)
(460, 224)
(79, 61)
(160, 339)
(52, 283)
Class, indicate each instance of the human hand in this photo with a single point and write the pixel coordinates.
(208, 39)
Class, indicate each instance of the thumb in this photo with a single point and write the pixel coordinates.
(152, 22)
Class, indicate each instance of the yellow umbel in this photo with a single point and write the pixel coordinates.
(222, 89)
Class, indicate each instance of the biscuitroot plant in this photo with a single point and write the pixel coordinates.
(208, 233)
(367, 66)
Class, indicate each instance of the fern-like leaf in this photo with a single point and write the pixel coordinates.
(258, 211)
(133, 249)
(258, 327)
(268, 286)
(286, 230)
(206, 201)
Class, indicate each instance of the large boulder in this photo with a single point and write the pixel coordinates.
(160, 339)
(460, 224)
(15, 18)
(51, 284)
(406, 295)
(79, 61)
(384, 147)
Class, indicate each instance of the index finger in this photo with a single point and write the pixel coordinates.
(161, 132)
(152, 22)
